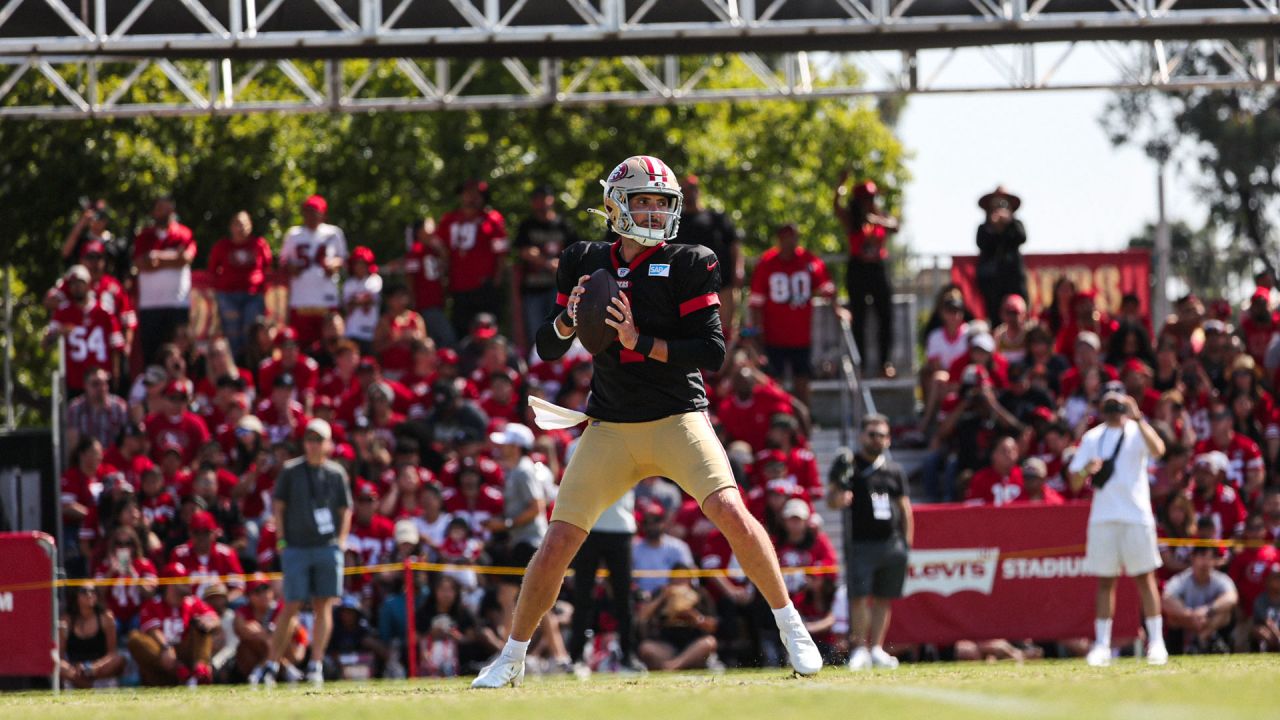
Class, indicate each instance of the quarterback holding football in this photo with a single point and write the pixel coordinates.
(650, 331)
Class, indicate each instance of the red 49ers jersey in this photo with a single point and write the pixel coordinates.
(94, 336)
(424, 265)
(173, 621)
(783, 289)
(488, 504)
(475, 246)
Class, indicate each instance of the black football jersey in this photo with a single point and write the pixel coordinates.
(674, 295)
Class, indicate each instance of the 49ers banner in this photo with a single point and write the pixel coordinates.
(1111, 274)
(1012, 572)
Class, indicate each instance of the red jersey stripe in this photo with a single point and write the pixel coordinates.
(698, 303)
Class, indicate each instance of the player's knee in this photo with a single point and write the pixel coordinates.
(726, 510)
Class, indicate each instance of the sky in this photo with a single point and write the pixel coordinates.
(1078, 192)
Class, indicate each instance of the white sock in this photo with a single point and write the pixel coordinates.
(1102, 632)
(515, 649)
(785, 613)
(1155, 630)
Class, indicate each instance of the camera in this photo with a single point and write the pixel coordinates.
(1113, 407)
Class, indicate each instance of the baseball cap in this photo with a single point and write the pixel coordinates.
(1214, 326)
(771, 457)
(1015, 303)
(171, 446)
(154, 375)
(321, 428)
(1114, 388)
(364, 488)
(983, 341)
(381, 389)
(178, 387)
(317, 203)
(216, 588)
(174, 570)
(1136, 365)
(1034, 466)
(953, 300)
(78, 272)
(513, 434)
(1262, 294)
(257, 582)
(251, 424)
(796, 507)
(285, 336)
(1090, 338)
(447, 356)
(653, 509)
(407, 532)
(202, 521)
(94, 247)
(344, 451)
(1215, 460)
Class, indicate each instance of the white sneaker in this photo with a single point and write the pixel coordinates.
(582, 671)
(291, 674)
(804, 655)
(882, 659)
(315, 674)
(257, 674)
(504, 671)
(1099, 656)
(860, 660)
(1157, 654)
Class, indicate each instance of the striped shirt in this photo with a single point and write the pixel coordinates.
(103, 423)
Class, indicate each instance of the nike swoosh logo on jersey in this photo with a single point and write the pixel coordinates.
(712, 266)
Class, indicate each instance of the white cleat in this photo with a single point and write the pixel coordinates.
(804, 655)
(860, 660)
(882, 659)
(1099, 656)
(1157, 654)
(502, 672)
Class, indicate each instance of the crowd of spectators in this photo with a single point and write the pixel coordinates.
(1007, 401)
(421, 365)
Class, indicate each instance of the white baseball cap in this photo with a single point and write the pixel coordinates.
(79, 272)
(796, 507)
(321, 428)
(407, 532)
(513, 434)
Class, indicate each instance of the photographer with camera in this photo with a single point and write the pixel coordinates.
(973, 419)
(1122, 528)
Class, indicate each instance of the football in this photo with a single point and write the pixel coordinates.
(600, 290)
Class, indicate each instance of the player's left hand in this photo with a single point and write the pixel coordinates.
(621, 320)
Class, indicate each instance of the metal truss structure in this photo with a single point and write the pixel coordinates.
(85, 58)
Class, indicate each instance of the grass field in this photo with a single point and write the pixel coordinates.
(1203, 688)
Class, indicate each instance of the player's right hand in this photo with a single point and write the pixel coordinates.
(575, 297)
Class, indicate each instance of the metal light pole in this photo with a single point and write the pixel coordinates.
(1160, 151)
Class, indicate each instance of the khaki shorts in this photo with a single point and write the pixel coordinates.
(612, 457)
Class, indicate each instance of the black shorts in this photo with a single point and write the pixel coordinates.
(780, 358)
(877, 568)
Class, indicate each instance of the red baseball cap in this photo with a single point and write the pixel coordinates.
(1261, 294)
(178, 387)
(484, 332)
(1089, 294)
(364, 488)
(447, 355)
(174, 570)
(258, 582)
(317, 203)
(1136, 365)
(365, 255)
(344, 451)
(93, 247)
(866, 188)
(202, 521)
(286, 335)
(769, 457)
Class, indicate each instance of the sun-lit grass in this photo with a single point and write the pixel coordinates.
(1204, 688)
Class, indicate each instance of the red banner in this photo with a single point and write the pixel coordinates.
(28, 624)
(1111, 274)
(1013, 572)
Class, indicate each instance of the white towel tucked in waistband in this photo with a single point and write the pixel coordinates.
(550, 416)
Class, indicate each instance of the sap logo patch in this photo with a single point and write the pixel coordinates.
(659, 271)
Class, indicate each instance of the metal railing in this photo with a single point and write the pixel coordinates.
(855, 397)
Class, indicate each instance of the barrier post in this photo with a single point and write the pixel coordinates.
(411, 634)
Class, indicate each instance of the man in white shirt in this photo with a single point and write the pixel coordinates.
(313, 252)
(1122, 533)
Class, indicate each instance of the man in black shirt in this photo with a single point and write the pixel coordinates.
(539, 240)
(646, 411)
(716, 232)
(879, 528)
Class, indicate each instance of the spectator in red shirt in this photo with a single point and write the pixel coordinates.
(477, 239)
(1214, 498)
(305, 371)
(177, 426)
(1034, 488)
(1086, 318)
(1249, 567)
(254, 625)
(163, 253)
(426, 266)
(802, 545)
(1137, 377)
(239, 264)
(867, 230)
(746, 413)
(204, 557)
(1000, 483)
(372, 534)
(782, 290)
(1245, 468)
(397, 331)
(784, 436)
(106, 289)
(500, 400)
(174, 643)
(92, 337)
(124, 561)
(1258, 324)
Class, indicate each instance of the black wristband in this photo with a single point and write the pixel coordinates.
(644, 345)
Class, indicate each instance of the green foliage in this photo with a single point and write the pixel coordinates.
(1199, 260)
(763, 162)
(1231, 140)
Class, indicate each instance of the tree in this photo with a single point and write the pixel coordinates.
(1197, 257)
(764, 163)
(1231, 137)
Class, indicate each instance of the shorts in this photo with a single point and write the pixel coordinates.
(612, 457)
(1117, 548)
(308, 322)
(798, 359)
(311, 572)
(877, 568)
